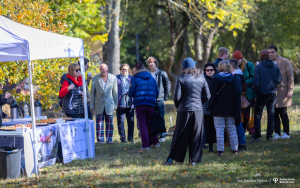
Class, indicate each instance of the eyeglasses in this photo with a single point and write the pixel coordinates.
(209, 70)
(77, 70)
(124, 69)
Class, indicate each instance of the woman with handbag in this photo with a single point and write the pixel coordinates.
(189, 122)
(209, 71)
(224, 107)
(248, 71)
(125, 106)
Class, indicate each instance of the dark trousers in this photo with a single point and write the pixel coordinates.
(284, 118)
(90, 116)
(130, 122)
(144, 116)
(160, 109)
(269, 101)
(188, 133)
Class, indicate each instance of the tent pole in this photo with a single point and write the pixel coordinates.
(87, 128)
(32, 116)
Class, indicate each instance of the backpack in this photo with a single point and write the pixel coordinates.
(62, 79)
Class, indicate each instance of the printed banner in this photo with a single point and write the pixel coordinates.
(73, 140)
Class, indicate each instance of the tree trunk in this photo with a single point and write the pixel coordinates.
(208, 43)
(198, 48)
(113, 44)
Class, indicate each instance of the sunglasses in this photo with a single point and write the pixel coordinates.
(77, 70)
(209, 70)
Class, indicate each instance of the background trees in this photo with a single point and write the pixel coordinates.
(170, 30)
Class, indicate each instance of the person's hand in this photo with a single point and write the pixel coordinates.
(81, 94)
(7, 95)
(72, 86)
(164, 103)
(92, 111)
(289, 95)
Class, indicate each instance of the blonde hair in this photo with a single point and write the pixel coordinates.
(222, 51)
(123, 65)
(243, 64)
(224, 66)
(150, 59)
(72, 67)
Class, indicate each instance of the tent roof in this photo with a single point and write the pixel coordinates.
(20, 42)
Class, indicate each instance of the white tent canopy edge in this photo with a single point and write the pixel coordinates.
(19, 42)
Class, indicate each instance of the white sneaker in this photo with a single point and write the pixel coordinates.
(276, 136)
(285, 136)
(162, 139)
(157, 145)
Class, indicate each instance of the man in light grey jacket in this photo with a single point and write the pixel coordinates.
(104, 100)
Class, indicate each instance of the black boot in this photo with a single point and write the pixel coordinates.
(242, 147)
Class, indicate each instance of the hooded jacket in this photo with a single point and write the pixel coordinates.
(266, 77)
(217, 61)
(143, 89)
(226, 103)
(239, 73)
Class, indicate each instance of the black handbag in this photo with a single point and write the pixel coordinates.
(157, 124)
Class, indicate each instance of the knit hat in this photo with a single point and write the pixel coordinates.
(264, 52)
(237, 55)
(188, 63)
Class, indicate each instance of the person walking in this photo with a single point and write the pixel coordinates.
(71, 91)
(266, 77)
(284, 93)
(164, 87)
(236, 71)
(248, 72)
(189, 122)
(104, 100)
(145, 92)
(209, 71)
(125, 105)
(225, 90)
(222, 55)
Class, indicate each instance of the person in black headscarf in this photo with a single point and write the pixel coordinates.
(209, 71)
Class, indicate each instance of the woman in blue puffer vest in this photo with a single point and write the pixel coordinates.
(144, 91)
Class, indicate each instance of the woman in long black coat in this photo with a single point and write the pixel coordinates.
(210, 131)
(189, 122)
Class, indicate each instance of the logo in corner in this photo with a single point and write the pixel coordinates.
(275, 180)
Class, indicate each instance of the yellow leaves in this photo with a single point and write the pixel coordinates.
(118, 170)
(234, 33)
(174, 178)
(265, 152)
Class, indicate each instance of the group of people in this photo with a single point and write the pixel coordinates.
(211, 108)
(146, 92)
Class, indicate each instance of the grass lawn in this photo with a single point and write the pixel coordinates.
(123, 165)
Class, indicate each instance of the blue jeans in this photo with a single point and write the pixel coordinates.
(241, 134)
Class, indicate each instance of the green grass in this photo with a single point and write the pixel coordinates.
(122, 165)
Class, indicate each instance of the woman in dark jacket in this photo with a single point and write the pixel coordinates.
(225, 89)
(71, 91)
(144, 91)
(189, 122)
(209, 71)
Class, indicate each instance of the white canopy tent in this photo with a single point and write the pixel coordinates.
(23, 43)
